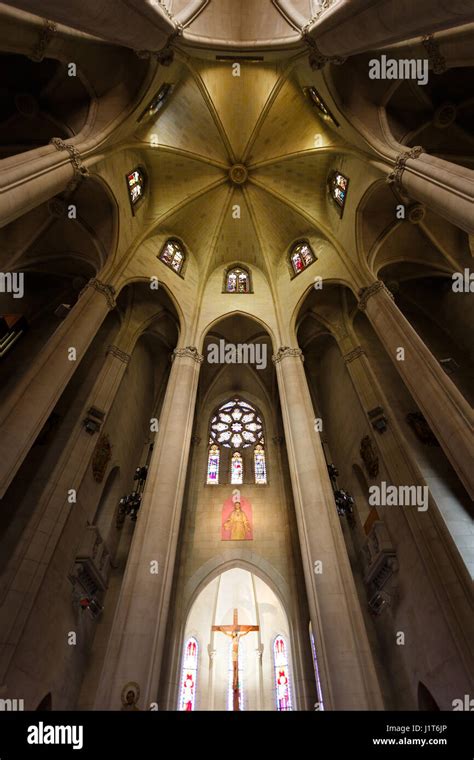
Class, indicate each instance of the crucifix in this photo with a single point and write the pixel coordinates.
(235, 631)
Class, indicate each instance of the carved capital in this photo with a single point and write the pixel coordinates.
(318, 60)
(119, 354)
(45, 36)
(354, 354)
(416, 212)
(285, 351)
(189, 352)
(395, 177)
(80, 171)
(372, 290)
(437, 61)
(108, 291)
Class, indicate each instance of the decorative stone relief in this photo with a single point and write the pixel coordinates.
(286, 351)
(369, 456)
(101, 457)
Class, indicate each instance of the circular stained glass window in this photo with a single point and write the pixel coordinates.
(237, 425)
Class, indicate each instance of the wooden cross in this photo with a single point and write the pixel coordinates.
(235, 631)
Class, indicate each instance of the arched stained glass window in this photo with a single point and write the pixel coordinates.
(260, 466)
(301, 256)
(213, 465)
(173, 255)
(237, 469)
(187, 695)
(282, 675)
(136, 186)
(158, 102)
(237, 280)
(236, 445)
(320, 704)
(318, 101)
(338, 185)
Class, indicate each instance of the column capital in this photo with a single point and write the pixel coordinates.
(46, 34)
(190, 352)
(395, 177)
(372, 290)
(108, 291)
(354, 354)
(318, 60)
(118, 353)
(437, 60)
(80, 171)
(286, 351)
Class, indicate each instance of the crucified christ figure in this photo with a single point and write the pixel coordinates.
(235, 631)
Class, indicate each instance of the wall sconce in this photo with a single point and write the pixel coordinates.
(129, 505)
(344, 503)
(93, 421)
(378, 419)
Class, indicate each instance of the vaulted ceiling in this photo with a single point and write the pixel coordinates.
(260, 121)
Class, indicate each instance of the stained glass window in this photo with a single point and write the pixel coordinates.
(158, 102)
(136, 186)
(301, 256)
(237, 425)
(187, 696)
(213, 465)
(237, 281)
(282, 675)
(320, 702)
(173, 255)
(237, 469)
(230, 690)
(317, 101)
(260, 466)
(338, 186)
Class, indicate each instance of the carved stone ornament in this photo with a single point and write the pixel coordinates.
(421, 429)
(372, 290)
(286, 351)
(80, 171)
(395, 177)
(190, 351)
(46, 34)
(437, 61)
(369, 456)
(101, 457)
(354, 354)
(119, 354)
(108, 291)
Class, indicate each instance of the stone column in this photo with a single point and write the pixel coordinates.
(31, 178)
(26, 409)
(348, 27)
(28, 566)
(348, 675)
(137, 24)
(444, 407)
(425, 534)
(136, 642)
(446, 188)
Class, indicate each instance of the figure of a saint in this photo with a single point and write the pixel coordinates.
(237, 523)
